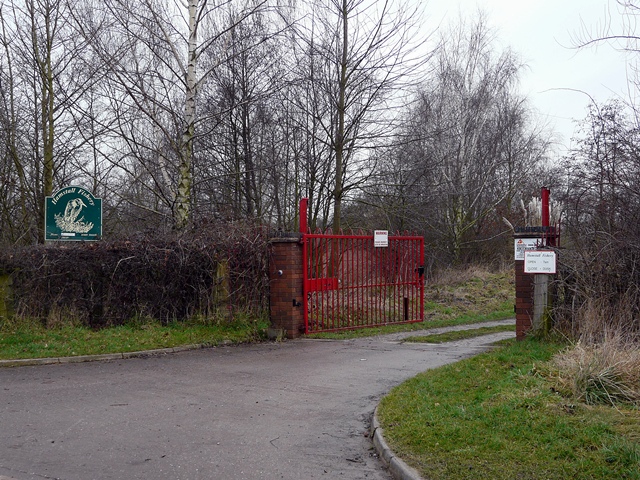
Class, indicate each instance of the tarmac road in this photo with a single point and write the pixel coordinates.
(300, 409)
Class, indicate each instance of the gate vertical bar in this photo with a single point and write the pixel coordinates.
(353, 275)
(305, 282)
(372, 277)
(421, 279)
(305, 262)
(334, 271)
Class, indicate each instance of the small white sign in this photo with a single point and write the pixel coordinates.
(540, 261)
(380, 238)
(524, 244)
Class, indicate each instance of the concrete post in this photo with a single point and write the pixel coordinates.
(540, 302)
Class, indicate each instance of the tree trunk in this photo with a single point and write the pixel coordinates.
(185, 179)
(340, 133)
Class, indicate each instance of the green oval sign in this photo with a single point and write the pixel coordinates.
(73, 213)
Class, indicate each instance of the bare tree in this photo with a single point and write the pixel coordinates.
(599, 283)
(467, 147)
(43, 85)
(362, 56)
(15, 191)
(241, 96)
(155, 53)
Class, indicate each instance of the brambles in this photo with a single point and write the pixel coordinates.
(218, 269)
(598, 286)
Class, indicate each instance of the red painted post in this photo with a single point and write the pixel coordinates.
(305, 280)
(545, 206)
(304, 202)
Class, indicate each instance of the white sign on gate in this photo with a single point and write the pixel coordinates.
(524, 244)
(380, 238)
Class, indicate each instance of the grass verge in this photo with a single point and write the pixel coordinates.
(459, 334)
(36, 341)
(495, 416)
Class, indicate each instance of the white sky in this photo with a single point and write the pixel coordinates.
(541, 32)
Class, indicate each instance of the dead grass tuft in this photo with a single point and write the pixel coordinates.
(457, 276)
(604, 373)
(598, 320)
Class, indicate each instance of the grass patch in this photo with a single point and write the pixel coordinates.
(495, 416)
(36, 341)
(473, 291)
(460, 334)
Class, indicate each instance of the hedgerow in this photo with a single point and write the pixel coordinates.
(209, 272)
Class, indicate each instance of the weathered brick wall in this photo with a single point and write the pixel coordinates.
(524, 300)
(286, 286)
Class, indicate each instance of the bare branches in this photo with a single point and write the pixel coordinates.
(360, 56)
(467, 147)
(599, 275)
(181, 110)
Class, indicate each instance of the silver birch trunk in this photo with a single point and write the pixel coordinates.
(185, 181)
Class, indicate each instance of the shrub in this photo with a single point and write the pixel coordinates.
(599, 281)
(172, 278)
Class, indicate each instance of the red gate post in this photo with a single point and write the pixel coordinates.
(304, 204)
(544, 215)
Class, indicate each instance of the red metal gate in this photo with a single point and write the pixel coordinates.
(349, 283)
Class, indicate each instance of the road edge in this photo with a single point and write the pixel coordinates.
(397, 467)
(23, 362)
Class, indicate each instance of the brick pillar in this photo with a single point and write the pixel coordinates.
(524, 300)
(548, 237)
(286, 288)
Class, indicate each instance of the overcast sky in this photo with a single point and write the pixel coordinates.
(541, 32)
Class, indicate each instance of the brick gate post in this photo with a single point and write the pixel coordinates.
(286, 286)
(531, 300)
(524, 300)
